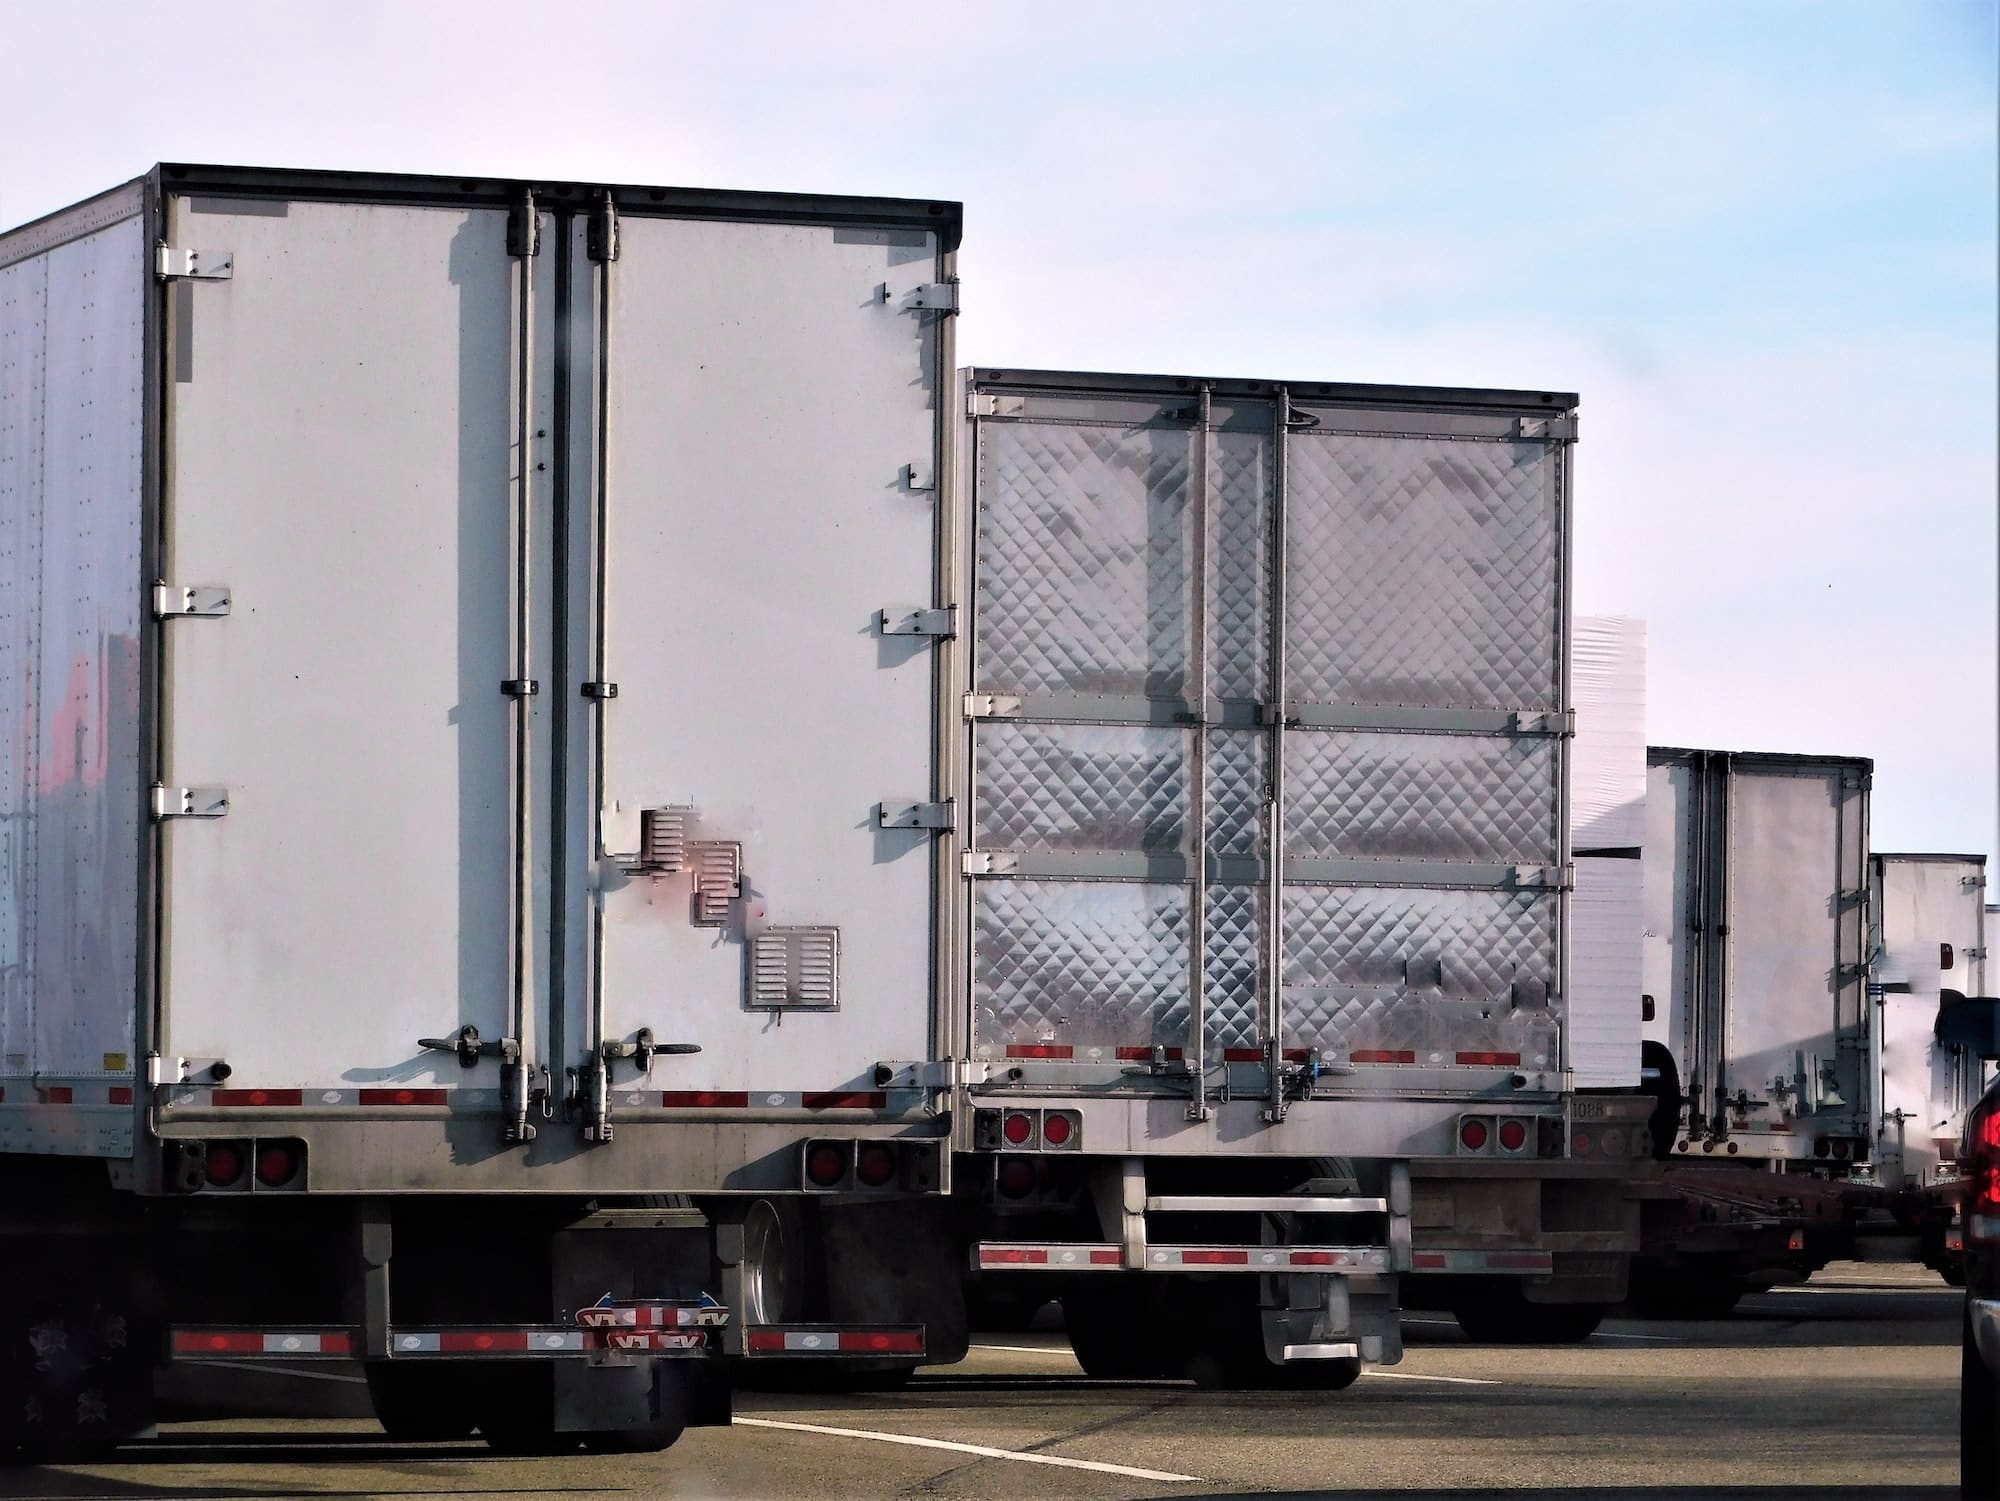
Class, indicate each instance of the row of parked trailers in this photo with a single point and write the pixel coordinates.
(580, 811)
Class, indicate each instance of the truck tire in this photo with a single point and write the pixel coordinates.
(1113, 1339)
(1505, 1317)
(420, 1405)
(76, 1376)
(1978, 1420)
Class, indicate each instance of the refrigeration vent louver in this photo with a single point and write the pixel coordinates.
(795, 969)
(663, 839)
(718, 879)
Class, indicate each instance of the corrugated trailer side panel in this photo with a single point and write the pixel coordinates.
(72, 306)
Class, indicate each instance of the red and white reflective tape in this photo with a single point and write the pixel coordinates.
(338, 1343)
(767, 1099)
(518, 1341)
(651, 1316)
(770, 1340)
(1374, 1259)
(81, 1095)
(1001, 1255)
(1525, 1262)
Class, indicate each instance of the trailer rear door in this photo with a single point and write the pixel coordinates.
(1322, 620)
(337, 820)
(770, 527)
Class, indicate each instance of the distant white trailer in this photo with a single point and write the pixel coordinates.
(1927, 935)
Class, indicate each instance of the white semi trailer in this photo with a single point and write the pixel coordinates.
(440, 724)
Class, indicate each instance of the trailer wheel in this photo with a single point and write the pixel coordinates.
(773, 1271)
(1112, 1338)
(416, 1405)
(76, 1377)
(1504, 1317)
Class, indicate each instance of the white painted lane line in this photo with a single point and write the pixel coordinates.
(1419, 1376)
(1659, 1339)
(1028, 1350)
(979, 1449)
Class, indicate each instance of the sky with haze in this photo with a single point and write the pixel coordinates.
(1758, 239)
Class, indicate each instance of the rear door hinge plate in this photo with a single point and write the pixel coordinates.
(170, 264)
(178, 601)
(900, 814)
(927, 297)
(189, 802)
(899, 620)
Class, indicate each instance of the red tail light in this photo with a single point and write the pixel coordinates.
(1018, 1128)
(1982, 1175)
(1059, 1128)
(1472, 1134)
(1015, 1177)
(1513, 1135)
(278, 1162)
(223, 1164)
(826, 1165)
(875, 1165)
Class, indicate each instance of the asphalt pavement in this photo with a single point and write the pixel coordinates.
(1844, 1388)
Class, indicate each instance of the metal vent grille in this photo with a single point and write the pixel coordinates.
(663, 839)
(718, 880)
(795, 969)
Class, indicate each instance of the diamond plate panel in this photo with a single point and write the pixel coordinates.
(1236, 781)
(1233, 965)
(1389, 967)
(1083, 963)
(1081, 787)
(1422, 571)
(1085, 559)
(1422, 797)
(1239, 565)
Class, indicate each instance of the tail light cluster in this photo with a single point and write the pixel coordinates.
(1023, 1130)
(1609, 1141)
(1509, 1136)
(868, 1165)
(1037, 1182)
(1981, 1165)
(271, 1166)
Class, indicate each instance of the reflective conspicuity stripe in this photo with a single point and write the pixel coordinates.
(404, 1096)
(1529, 1262)
(1051, 1050)
(255, 1097)
(1069, 1257)
(337, 1343)
(1371, 1259)
(831, 1340)
(1490, 1060)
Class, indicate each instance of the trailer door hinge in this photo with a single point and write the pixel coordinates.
(601, 234)
(193, 265)
(175, 601)
(929, 297)
(600, 690)
(905, 815)
(189, 802)
(1553, 429)
(524, 227)
(898, 621)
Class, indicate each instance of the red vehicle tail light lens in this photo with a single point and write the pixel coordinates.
(1983, 1166)
(1015, 1177)
(875, 1165)
(1473, 1134)
(826, 1164)
(278, 1162)
(223, 1164)
(1513, 1135)
(1018, 1128)
(1058, 1128)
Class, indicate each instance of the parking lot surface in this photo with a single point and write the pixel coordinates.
(1844, 1388)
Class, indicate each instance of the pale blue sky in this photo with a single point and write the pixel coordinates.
(1758, 238)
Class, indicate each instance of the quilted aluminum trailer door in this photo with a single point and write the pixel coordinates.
(1339, 630)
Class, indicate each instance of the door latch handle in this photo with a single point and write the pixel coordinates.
(469, 1047)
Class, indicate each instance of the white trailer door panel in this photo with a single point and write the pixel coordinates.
(341, 465)
(773, 432)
